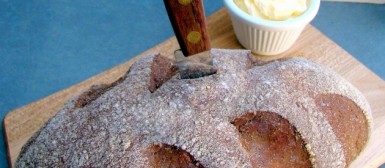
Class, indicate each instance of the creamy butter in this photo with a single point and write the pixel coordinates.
(273, 9)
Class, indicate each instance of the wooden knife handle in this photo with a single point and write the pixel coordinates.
(189, 23)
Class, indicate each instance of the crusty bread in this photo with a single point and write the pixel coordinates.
(285, 113)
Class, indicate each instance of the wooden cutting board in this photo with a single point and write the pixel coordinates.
(22, 123)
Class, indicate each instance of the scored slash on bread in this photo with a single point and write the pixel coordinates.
(242, 116)
(162, 69)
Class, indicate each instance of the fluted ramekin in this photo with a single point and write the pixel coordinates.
(268, 37)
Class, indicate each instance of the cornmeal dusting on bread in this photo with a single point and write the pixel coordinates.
(119, 127)
(312, 159)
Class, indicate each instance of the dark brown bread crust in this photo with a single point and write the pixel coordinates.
(114, 126)
(95, 91)
(345, 117)
(169, 156)
(162, 69)
(271, 141)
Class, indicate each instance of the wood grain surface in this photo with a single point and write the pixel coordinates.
(22, 123)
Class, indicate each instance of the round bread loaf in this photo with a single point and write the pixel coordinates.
(284, 113)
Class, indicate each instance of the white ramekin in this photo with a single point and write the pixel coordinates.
(267, 37)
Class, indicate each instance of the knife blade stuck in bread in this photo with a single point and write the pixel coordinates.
(188, 20)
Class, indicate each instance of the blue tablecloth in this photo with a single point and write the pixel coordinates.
(46, 46)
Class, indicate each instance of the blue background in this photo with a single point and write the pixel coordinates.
(47, 46)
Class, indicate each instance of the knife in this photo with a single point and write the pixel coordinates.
(188, 20)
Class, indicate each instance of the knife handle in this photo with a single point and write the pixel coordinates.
(188, 20)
